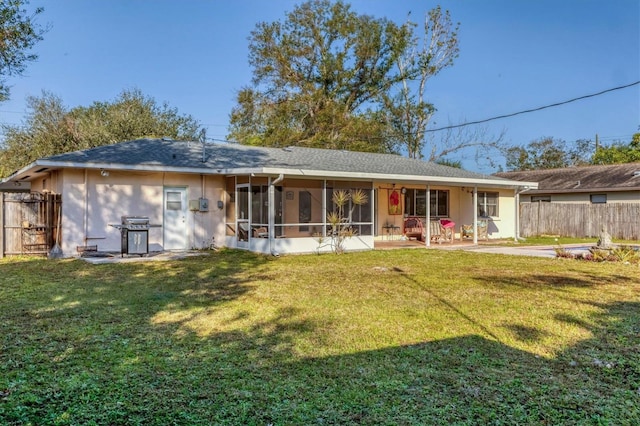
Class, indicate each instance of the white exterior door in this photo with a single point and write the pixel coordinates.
(175, 218)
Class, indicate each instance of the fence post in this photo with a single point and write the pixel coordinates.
(1, 225)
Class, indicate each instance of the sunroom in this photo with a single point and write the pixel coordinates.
(289, 215)
(293, 215)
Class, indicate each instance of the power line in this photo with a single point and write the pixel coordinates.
(455, 126)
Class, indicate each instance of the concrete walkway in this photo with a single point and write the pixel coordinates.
(151, 257)
(536, 251)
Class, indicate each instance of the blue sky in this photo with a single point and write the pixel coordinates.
(514, 55)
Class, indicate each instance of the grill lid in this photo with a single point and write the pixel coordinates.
(135, 220)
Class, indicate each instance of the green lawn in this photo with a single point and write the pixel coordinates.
(380, 338)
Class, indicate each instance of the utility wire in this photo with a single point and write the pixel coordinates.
(455, 126)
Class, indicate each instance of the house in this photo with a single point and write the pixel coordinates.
(581, 201)
(269, 200)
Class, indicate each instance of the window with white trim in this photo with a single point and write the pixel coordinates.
(488, 204)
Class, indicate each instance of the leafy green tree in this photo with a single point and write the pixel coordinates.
(619, 152)
(319, 78)
(50, 128)
(19, 32)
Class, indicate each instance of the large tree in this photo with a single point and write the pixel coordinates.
(50, 128)
(319, 78)
(19, 32)
(408, 110)
(549, 153)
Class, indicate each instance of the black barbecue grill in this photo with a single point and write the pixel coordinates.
(134, 234)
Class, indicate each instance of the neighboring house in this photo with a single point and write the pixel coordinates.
(580, 201)
(269, 200)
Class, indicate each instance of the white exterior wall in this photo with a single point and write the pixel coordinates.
(501, 226)
(88, 210)
(307, 245)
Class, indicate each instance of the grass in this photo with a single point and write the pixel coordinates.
(391, 337)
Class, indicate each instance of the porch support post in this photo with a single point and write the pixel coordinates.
(374, 217)
(475, 215)
(428, 224)
(271, 199)
(324, 208)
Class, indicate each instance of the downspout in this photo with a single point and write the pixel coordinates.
(428, 224)
(272, 213)
(517, 197)
(86, 206)
(202, 226)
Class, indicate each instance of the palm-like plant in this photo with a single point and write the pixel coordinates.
(339, 220)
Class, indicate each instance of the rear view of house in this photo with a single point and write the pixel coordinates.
(271, 200)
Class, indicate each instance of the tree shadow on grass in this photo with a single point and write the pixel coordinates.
(94, 356)
(463, 380)
(557, 280)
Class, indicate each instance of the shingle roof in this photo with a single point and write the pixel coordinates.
(178, 154)
(614, 177)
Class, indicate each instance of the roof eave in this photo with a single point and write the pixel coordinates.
(29, 171)
(401, 179)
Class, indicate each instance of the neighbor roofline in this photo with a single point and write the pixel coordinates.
(584, 190)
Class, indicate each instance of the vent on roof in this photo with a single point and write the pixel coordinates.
(636, 173)
(288, 148)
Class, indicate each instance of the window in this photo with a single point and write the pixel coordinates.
(304, 210)
(359, 215)
(174, 200)
(488, 204)
(540, 198)
(598, 198)
(415, 202)
(259, 205)
(439, 203)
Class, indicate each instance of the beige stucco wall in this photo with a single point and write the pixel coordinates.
(501, 226)
(461, 209)
(89, 208)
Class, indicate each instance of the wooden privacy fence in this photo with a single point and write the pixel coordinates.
(621, 220)
(28, 222)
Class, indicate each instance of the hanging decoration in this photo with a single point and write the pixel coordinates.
(395, 206)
